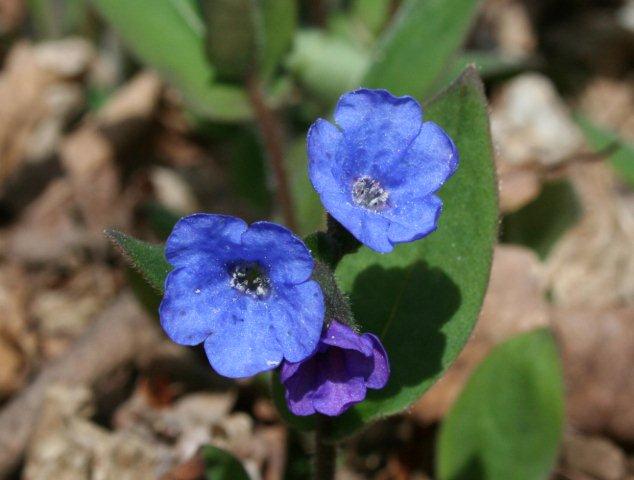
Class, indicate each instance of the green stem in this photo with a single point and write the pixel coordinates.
(325, 453)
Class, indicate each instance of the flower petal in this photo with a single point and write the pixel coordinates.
(381, 366)
(194, 299)
(342, 336)
(285, 256)
(378, 128)
(338, 390)
(203, 238)
(242, 343)
(288, 369)
(426, 165)
(299, 380)
(412, 219)
(296, 318)
(365, 110)
(322, 145)
(373, 232)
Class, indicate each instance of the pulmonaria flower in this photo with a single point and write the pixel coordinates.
(378, 169)
(245, 291)
(337, 375)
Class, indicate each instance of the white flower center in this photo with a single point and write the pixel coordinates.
(250, 279)
(369, 193)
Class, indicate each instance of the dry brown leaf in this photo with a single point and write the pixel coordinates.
(38, 96)
(598, 353)
(48, 230)
(592, 264)
(531, 124)
(68, 446)
(595, 456)
(610, 103)
(17, 341)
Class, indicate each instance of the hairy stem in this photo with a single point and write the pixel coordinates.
(325, 453)
(344, 242)
(273, 141)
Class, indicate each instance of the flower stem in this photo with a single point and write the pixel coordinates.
(273, 140)
(325, 453)
(344, 242)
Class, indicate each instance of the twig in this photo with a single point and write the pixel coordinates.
(273, 140)
(560, 167)
(325, 453)
(318, 14)
(118, 336)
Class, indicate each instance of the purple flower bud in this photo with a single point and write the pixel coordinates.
(337, 375)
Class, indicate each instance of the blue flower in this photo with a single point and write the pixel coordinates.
(377, 173)
(245, 291)
(338, 374)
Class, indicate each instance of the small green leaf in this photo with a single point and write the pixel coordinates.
(423, 299)
(147, 259)
(542, 222)
(420, 45)
(326, 65)
(622, 158)
(169, 35)
(507, 423)
(279, 20)
(221, 465)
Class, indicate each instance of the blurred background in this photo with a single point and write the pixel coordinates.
(97, 130)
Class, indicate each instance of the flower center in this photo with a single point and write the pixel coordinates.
(369, 193)
(250, 278)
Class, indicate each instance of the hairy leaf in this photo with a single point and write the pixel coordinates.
(146, 258)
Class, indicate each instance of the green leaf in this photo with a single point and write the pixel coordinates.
(622, 158)
(420, 45)
(231, 36)
(423, 299)
(326, 65)
(489, 64)
(147, 259)
(168, 35)
(247, 169)
(372, 13)
(542, 222)
(507, 423)
(221, 465)
(279, 20)
(309, 211)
